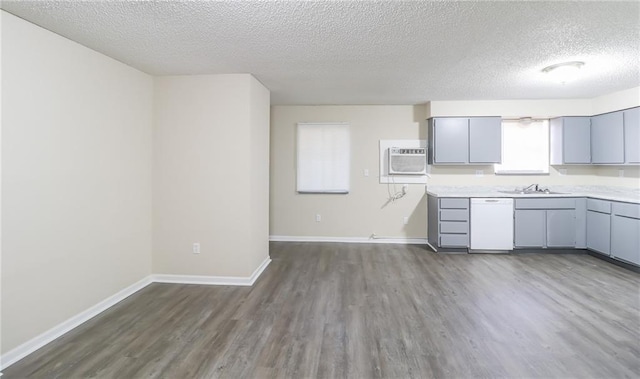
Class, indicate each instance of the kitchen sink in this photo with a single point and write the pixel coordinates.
(521, 192)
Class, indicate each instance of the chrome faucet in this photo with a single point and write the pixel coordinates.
(534, 188)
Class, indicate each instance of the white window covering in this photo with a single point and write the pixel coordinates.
(525, 148)
(323, 157)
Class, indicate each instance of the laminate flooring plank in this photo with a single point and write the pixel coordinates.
(331, 310)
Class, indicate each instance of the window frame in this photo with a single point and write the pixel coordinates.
(323, 158)
(544, 168)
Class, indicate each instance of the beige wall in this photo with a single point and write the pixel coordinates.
(363, 211)
(537, 108)
(259, 111)
(512, 108)
(76, 178)
(615, 101)
(210, 148)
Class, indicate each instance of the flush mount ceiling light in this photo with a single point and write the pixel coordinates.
(563, 72)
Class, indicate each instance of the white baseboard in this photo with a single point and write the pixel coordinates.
(399, 240)
(213, 280)
(37, 342)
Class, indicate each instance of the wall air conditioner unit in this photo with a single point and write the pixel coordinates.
(407, 161)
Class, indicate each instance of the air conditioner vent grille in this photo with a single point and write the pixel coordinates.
(407, 161)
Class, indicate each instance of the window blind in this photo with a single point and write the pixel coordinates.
(323, 157)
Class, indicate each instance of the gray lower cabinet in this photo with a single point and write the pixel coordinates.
(561, 227)
(453, 226)
(448, 222)
(599, 226)
(599, 232)
(530, 228)
(625, 232)
(548, 222)
(607, 138)
(625, 238)
(613, 229)
(632, 135)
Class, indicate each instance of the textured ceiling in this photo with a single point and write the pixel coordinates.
(364, 52)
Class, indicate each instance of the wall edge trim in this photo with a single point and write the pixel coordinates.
(383, 240)
(25, 349)
(213, 280)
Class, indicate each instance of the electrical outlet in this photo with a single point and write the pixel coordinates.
(365, 172)
(621, 173)
(405, 220)
(479, 172)
(196, 247)
(318, 218)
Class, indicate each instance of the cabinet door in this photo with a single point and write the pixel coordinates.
(607, 138)
(451, 140)
(625, 238)
(632, 135)
(599, 232)
(530, 228)
(561, 228)
(485, 140)
(576, 139)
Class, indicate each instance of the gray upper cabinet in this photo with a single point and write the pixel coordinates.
(607, 138)
(464, 140)
(485, 140)
(632, 135)
(450, 140)
(570, 140)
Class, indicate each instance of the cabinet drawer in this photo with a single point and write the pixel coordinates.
(626, 209)
(454, 240)
(454, 227)
(454, 203)
(555, 203)
(601, 206)
(454, 215)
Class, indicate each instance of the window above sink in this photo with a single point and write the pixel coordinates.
(525, 148)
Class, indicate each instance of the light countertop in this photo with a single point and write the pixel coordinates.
(630, 195)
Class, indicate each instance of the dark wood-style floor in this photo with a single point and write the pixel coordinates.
(368, 311)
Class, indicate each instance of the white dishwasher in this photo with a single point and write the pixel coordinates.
(491, 224)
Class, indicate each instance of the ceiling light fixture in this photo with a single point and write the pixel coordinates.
(563, 72)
